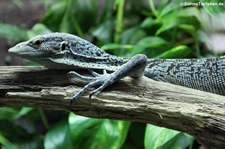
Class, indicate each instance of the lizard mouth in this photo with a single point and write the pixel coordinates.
(24, 50)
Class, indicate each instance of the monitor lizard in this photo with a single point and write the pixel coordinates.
(67, 51)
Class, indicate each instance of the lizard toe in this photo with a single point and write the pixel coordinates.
(77, 75)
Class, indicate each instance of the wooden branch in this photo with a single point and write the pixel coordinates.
(196, 112)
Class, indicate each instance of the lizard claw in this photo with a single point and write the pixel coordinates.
(99, 89)
(101, 80)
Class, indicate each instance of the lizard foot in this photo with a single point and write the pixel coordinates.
(100, 80)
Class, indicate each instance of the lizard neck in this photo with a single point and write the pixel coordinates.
(81, 54)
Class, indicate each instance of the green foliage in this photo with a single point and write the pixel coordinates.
(12, 32)
(14, 135)
(71, 16)
(157, 137)
(58, 136)
(95, 133)
(159, 29)
(177, 52)
(148, 43)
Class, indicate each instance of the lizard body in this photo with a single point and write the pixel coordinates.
(66, 51)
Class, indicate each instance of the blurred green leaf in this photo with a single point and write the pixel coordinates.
(12, 32)
(19, 134)
(116, 46)
(106, 11)
(66, 25)
(104, 31)
(132, 35)
(6, 143)
(33, 143)
(119, 19)
(188, 28)
(85, 12)
(157, 137)
(24, 111)
(58, 137)
(80, 125)
(152, 7)
(178, 52)
(95, 133)
(148, 22)
(148, 42)
(19, 3)
(187, 12)
(7, 113)
(168, 8)
(175, 20)
(38, 29)
(180, 141)
(64, 16)
(30, 143)
(53, 17)
(135, 137)
(69, 23)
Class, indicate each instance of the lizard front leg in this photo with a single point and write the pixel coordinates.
(134, 67)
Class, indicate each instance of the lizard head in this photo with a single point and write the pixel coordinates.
(41, 46)
(55, 50)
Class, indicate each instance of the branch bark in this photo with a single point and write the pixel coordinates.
(196, 112)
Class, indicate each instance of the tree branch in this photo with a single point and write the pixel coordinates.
(196, 112)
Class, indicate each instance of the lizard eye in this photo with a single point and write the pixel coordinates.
(37, 42)
(63, 46)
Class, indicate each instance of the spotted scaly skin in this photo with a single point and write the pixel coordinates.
(206, 74)
(66, 51)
